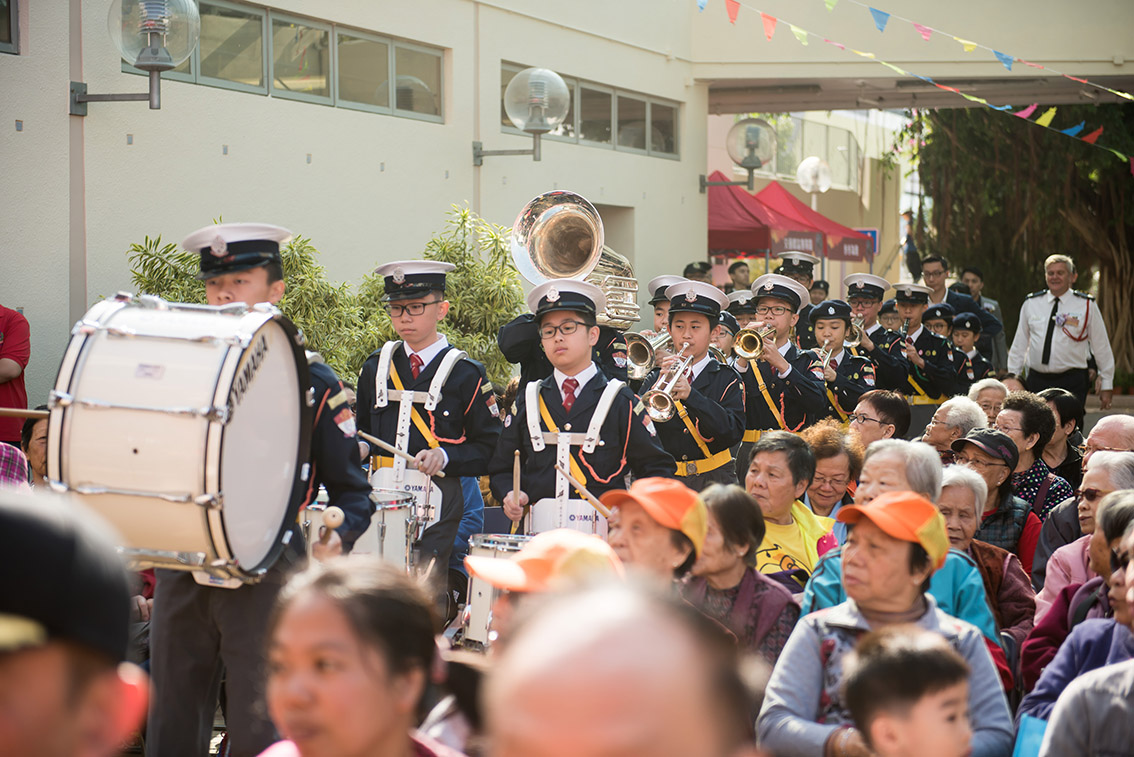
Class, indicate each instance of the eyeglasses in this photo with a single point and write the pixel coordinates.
(966, 460)
(1092, 494)
(1086, 449)
(932, 274)
(863, 418)
(935, 422)
(414, 308)
(567, 328)
(834, 483)
(988, 407)
(772, 310)
(1008, 429)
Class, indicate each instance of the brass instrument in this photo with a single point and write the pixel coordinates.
(749, 342)
(641, 352)
(858, 327)
(659, 401)
(559, 235)
(716, 353)
(825, 352)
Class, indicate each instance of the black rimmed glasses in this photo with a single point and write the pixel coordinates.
(414, 308)
(567, 328)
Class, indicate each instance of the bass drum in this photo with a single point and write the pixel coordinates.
(188, 428)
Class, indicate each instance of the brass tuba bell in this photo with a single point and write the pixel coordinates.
(559, 235)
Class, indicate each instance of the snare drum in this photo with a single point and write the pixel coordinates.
(393, 528)
(188, 428)
(477, 618)
(576, 514)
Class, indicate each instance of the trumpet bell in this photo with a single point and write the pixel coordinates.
(658, 404)
(858, 327)
(641, 352)
(749, 342)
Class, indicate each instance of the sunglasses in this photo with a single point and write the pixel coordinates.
(1092, 494)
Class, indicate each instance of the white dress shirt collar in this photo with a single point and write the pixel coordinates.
(429, 352)
(582, 377)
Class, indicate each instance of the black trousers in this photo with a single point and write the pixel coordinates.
(437, 540)
(1075, 381)
(726, 474)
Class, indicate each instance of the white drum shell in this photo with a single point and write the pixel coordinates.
(576, 514)
(482, 595)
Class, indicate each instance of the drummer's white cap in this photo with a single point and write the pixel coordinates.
(782, 288)
(413, 278)
(658, 284)
(234, 247)
(566, 294)
(866, 285)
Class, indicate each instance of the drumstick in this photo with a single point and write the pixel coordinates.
(603, 510)
(15, 412)
(394, 450)
(332, 519)
(516, 488)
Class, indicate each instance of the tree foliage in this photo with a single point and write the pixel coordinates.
(346, 325)
(1003, 194)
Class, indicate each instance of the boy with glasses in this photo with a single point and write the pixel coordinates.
(429, 400)
(878, 343)
(708, 398)
(577, 418)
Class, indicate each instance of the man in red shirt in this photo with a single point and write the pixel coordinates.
(15, 349)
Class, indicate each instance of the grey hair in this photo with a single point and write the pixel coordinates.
(988, 383)
(964, 476)
(1119, 467)
(965, 414)
(1064, 259)
(922, 463)
(1115, 514)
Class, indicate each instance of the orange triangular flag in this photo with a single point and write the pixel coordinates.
(769, 25)
(733, 7)
(1093, 136)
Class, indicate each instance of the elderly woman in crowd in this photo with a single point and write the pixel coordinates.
(897, 542)
(1081, 560)
(899, 465)
(1006, 521)
(726, 585)
(989, 394)
(838, 461)
(880, 414)
(1062, 454)
(1007, 586)
(657, 527)
(780, 471)
(954, 419)
(1094, 642)
(1030, 422)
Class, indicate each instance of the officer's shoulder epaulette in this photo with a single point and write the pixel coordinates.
(1084, 295)
(1040, 293)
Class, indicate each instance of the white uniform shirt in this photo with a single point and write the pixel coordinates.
(582, 377)
(1077, 316)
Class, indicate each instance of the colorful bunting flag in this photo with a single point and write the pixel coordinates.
(924, 31)
(1027, 112)
(1074, 130)
(831, 5)
(1093, 136)
(769, 25)
(1029, 63)
(800, 34)
(968, 46)
(880, 18)
(1004, 58)
(1074, 78)
(1045, 119)
(836, 44)
(701, 4)
(733, 7)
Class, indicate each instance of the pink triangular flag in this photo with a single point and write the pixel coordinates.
(924, 31)
(733, 7)
(836, 44)
(1027, 112)
(1093, 136)
(769, 25)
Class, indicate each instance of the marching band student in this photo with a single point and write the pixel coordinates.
(784, 390)
(801, 267)
(939, 319)
(195, 627)
(888, 315)
(708, 398)
(724, 335)
(933, 365)
(520, 343)
(742, 305)
(659, 301)
(848, 376)
(607, 432)
(451, 423)
(966, 332)
(878, 343)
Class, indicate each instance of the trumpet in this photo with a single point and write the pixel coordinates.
(749, 342)
(858, 329)
(825, 352)
(659, 402)
(641, 352)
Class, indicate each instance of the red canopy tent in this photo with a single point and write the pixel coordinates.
(739, 223)
(843, 242)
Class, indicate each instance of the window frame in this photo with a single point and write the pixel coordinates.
(619, 95)
(340, 102)
(210, 81)
(613, 114)
(436, 52)
(676, 107)
(13, 47)
(332, 74)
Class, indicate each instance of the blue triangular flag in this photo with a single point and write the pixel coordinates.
(880, 18)
(1074, 130)
(701, 4)
(1007, 60)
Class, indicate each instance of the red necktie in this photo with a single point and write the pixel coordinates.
(833, 365)
(415, 364)
(569, 387)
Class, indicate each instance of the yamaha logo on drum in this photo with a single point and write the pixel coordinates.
(252, 365)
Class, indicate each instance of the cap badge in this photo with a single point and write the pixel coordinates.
(218, 247)
(768, 286)
(399, 276)
(744, 298)
(552, 294)
(830, 311)
(690, 296)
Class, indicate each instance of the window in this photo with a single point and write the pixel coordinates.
(364, 70)
(663, 129)
(301, 60)
(596, 114)
(797, 139)
(417, 87)
(231, 51)
(9, 29)
(631, 123)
